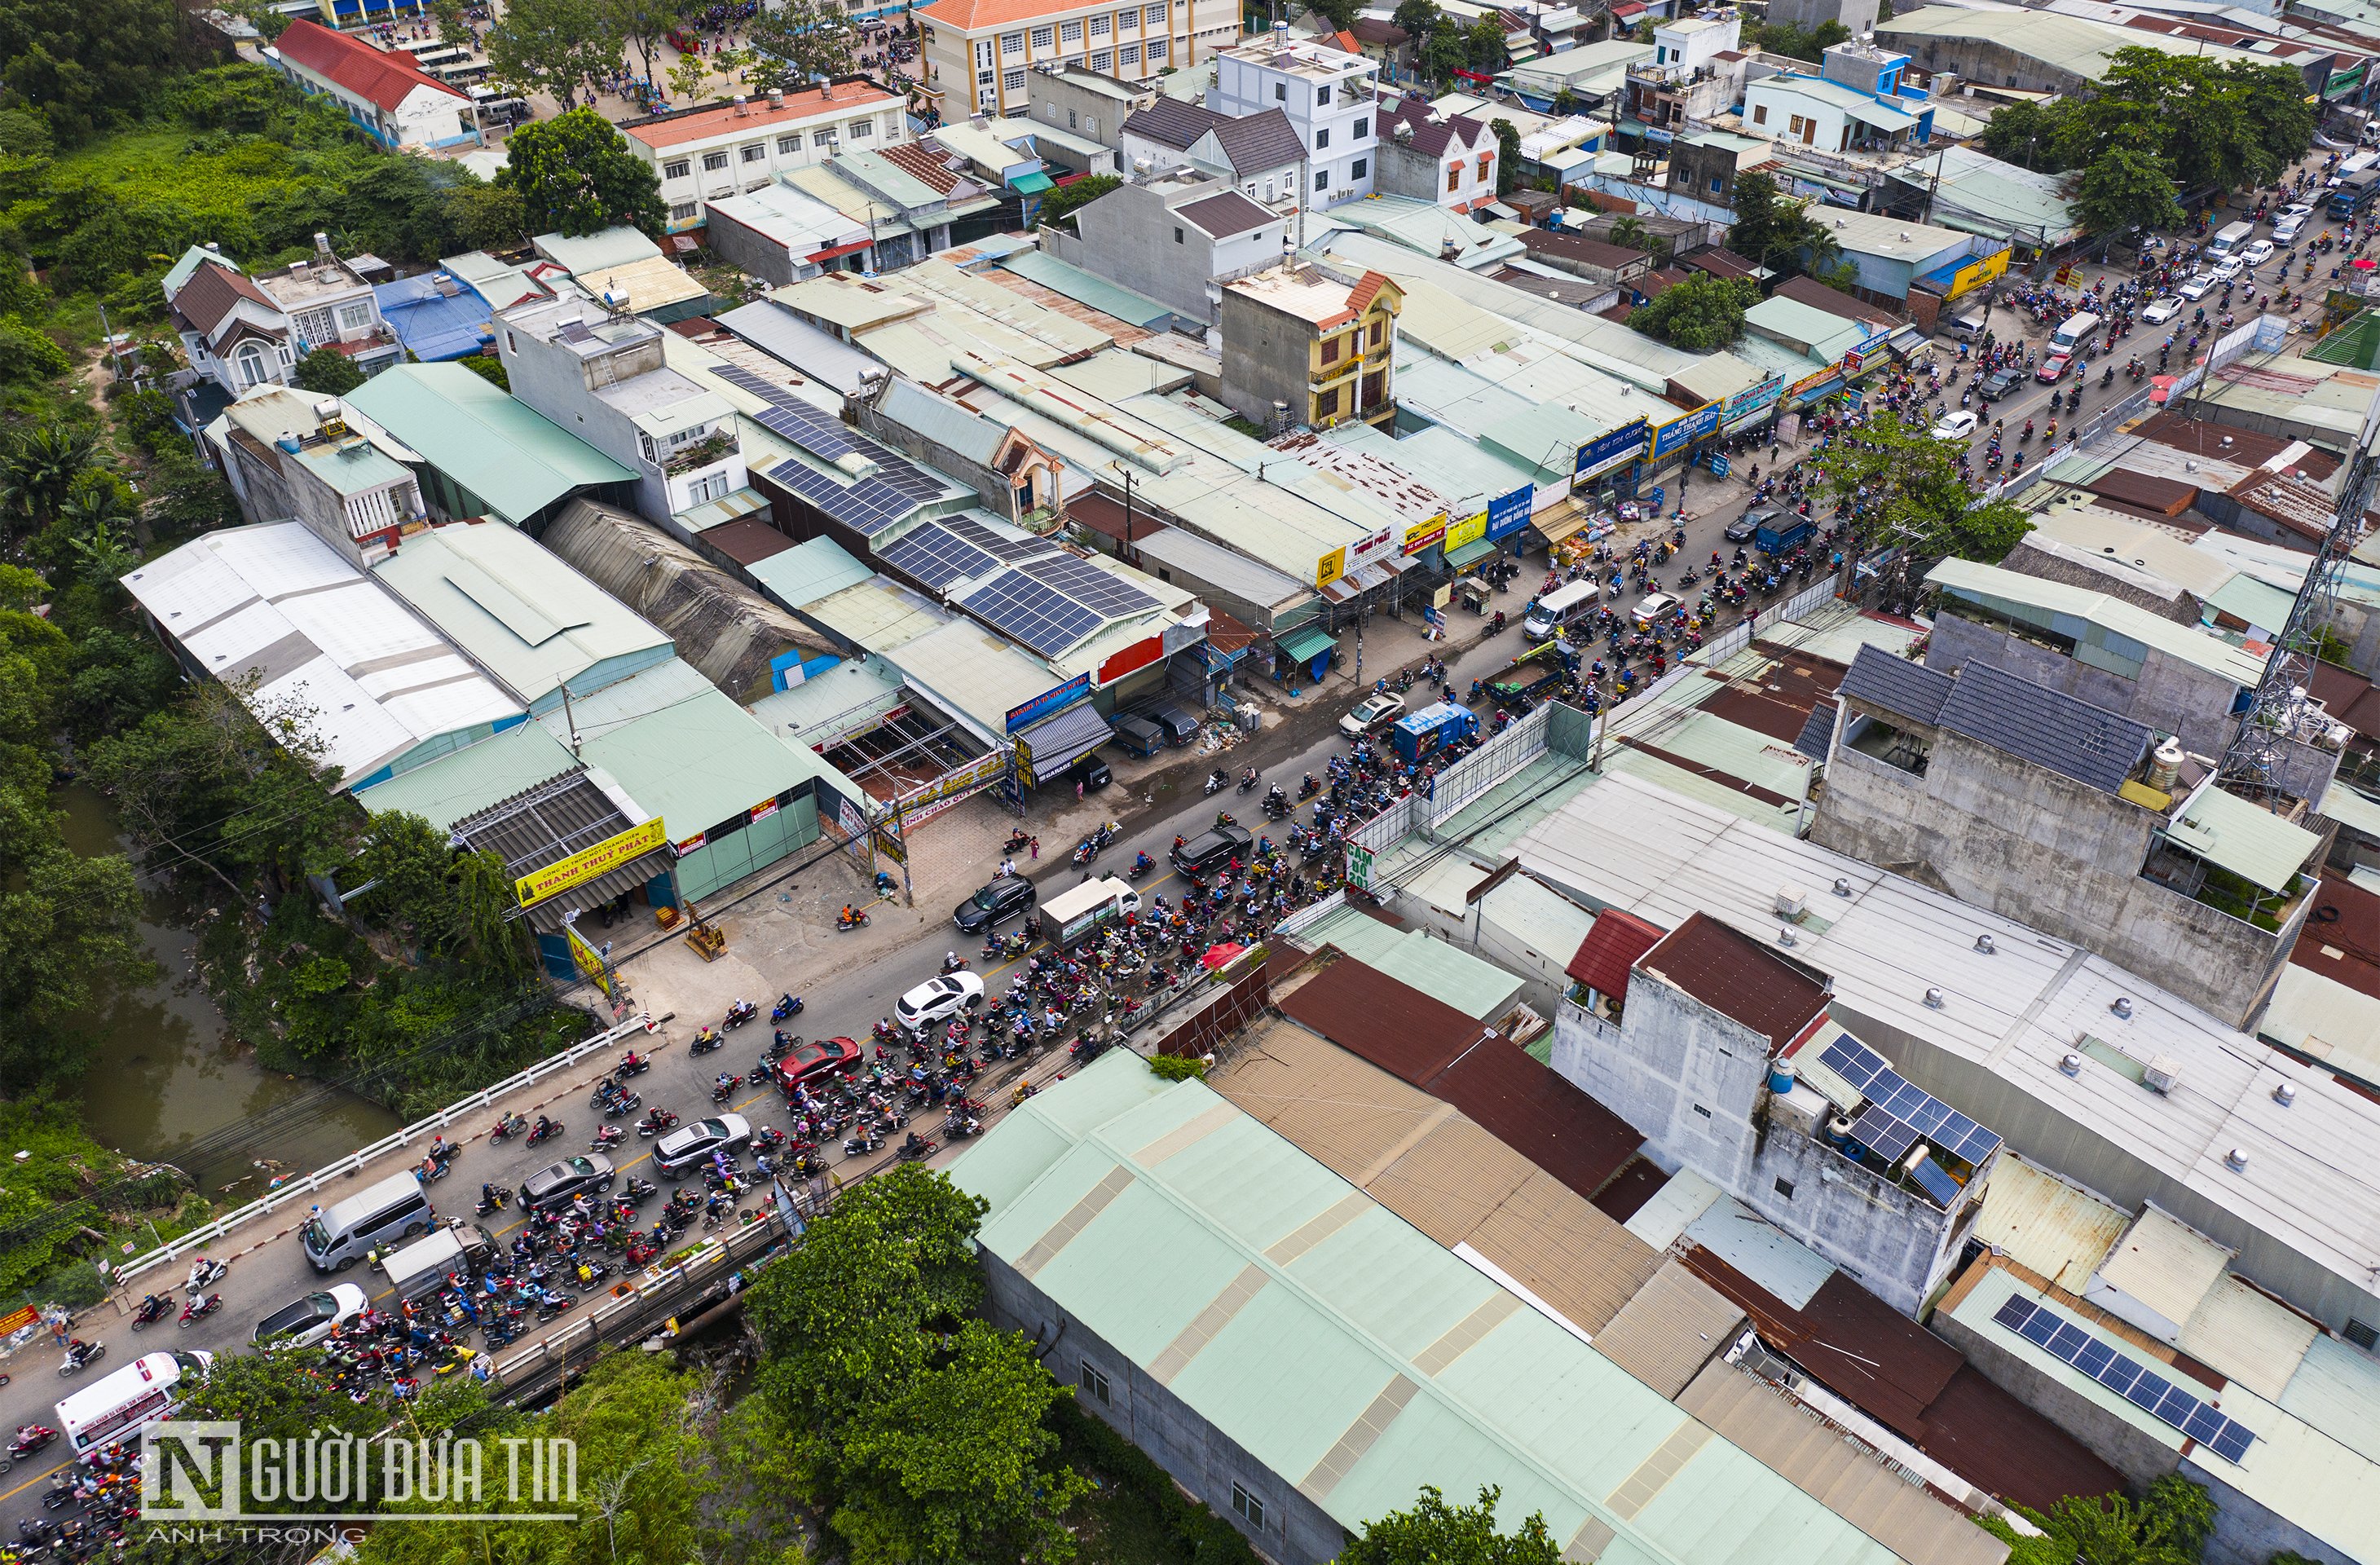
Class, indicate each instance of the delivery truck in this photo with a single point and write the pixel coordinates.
(1419, 736)
(1069, 916)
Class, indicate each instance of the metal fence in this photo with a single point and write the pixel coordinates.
(1498, 758)
(306, 1186)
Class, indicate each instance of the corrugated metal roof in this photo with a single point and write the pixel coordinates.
(1226, 570)
(972, 672)
(777, 332)
(1761, 1251)
(473, 777)
(2163, 1263)
(2337, 1390)
(1479, 989)
(1322, 1334)
(809, 572)
(1397, 1027)
(2187, 642)
(1676, 1323)
(2247, 1335)
(2047, 1225)
(1737, 976)
(2226, 830)
(1610, 949)
(1084, 287)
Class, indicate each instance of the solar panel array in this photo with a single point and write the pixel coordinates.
(1034, 612)
(1008, 549)
(936, 556)
(2127, 1377)
(744, 380)
(1951, 1132)
(869, 506)
(1104, 591)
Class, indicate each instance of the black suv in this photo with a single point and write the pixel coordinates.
(2001, 383)
(1209, 850)
(1006, 897)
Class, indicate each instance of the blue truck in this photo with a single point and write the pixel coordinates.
(1784, 531)
(1419, 736)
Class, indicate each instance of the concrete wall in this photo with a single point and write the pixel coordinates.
(1891, 1241)
(1073, 105)
(1201, 1458)
(2247, 1532)
(1859, 16)
(1128, 236)
(754, 251)
(1266, 356)
(2138, 1455)
(991, 486)
(2037, 847)
(1979, 61)
(2170, 695)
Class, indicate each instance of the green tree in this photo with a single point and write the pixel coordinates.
(1445, 53)
(1483, 45)
(1418, 19)
(643, 24)
(40, 469)
(86, 62)
(485, 216)
(488, 367)
(453, 20)
(28, 355)
(554, 46)
(1508, 154)
(1434, 1532)
(2170, 1526)
(2209, 126)
(575, 175)
(1915, 496)
(798, 41)
(1629, 233)
(2028, 135)
(1341, 13)
(1770, 227)
(686, 76)
(328, 372)
(69, 925)
(1800, 43)
(1701, 314)
(1063, 200)
(2124, 188)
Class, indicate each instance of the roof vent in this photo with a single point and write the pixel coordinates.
(1843, 887)
(1984, 943)
(1933, 998)
(1785, 935)
(2236, 1159)
(2285, 1094)
(1790, 903)
(2122, 1006)
(2072, 1063)
(2162, 1073)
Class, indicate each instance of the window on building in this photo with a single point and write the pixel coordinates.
(1378, 329)
(1714, 186)
(1321, 138)
(1364, 128)
(1070, 33)
(1177, 234)
(1041, 38)
(1091, 125)
(1099, 27)
(1785, 1188)
(1070, 117)
(706, 489)
(1102, 61)
(1760, 114)
(755, 153)
(791, 143)
(1331, 347)
(1154, 15)
(1247, 1507)
(252, 367)
(983, 54)
(1486, 166)
(1095, 1383)
(2363, 1335)
(1359, 168)
(1322, 97)
(1157, 47)
(1129, 54)
(1453, 176)
(1326, 404)
(1280, 92)
(1014, 81)
(1012, 44)
(645, 444)
(862, 129)
(677, 168)
(715, 160)
(356, 317)
(682, 212)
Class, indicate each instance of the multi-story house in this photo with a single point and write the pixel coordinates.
(1259, 152)
(730, 149)
(291, 456)
(240, 332)
(605, 378)
(389, 98)
(1178, 239)
(980, 54)
(1301, 346)
(1328, 96)
(1447, 159)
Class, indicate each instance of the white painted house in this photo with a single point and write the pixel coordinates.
(736, 147)
(1328, 96)
(381, 90)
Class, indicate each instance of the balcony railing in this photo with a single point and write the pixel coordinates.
(704, 453)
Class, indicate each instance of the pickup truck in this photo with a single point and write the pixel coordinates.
(1784, 531)
(1533, 673)
(1418, 736)
(1072, 915)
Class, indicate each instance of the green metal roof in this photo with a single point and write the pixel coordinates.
(1477, 988)
(1084, 287)
(1303, 643)
(2128, 620)
(473, 777)
(1354, 1357)
(1032, 184)
(809, 572)
(2259, 602)
(2248, 841)
(353, 467)
(476, 434)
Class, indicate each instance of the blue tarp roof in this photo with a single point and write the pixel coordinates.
(432, 325)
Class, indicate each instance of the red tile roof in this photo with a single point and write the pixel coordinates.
(377, 76)
(1611, 947)
(728, 119)
(1737, 976)
(213, 290)
(921, 162)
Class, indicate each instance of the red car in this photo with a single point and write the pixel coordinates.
(819, 1057)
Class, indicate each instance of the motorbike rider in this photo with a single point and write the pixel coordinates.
(489, 1195)
(544, 1128)
(850, 915)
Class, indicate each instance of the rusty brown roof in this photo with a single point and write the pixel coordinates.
(2163, 497)
(747, 541)
(1737, 976)
(1536, 1111)
(211, 293)
(1611, 947)
(1412, 1036)
(1996, 1442)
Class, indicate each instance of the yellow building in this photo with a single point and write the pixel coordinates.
(1301, 347)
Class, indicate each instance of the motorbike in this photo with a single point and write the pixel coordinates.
(866, 1141)
(706, 1040)
(632, 1064)
(204, 1272)
(1307, 788)
(787, 1005)
(79, 1353)
(1249, 779)
(857, 919)
(1018, 841)
(637, 1190)
(544, 1129)
(623, 1103)
(152, 1308)
(1497, 622)
(915, 1148)
(199, 1309)
(1141, 865)
(738, 1014)
(436, 1165)
(496, 1203)
(951, 963)
(507, 1127)
(1217, 780)
(721, 1091)
(605, 1138)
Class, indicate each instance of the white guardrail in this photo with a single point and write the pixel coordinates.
(300, 1189)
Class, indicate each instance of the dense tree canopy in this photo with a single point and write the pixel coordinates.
(1434, 1532)
(1915, 497)
(575, 175)
(799, 41)
(1701, 314)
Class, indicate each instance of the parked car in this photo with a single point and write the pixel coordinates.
(2157, 313)
(1957, 424)
(1741, 529)
(996, 902)
(1375, 710)
(312, 1318)
(689, 1146)
(938, 1000)
(2053, 369)
(819, 1057)
(2000, 383)
(555, 1184)
(1181, 727)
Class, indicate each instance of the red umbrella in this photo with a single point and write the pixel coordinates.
(1221, 955)
(2161, 387)
(2363, 263)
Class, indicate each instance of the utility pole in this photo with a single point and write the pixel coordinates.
(571, 719)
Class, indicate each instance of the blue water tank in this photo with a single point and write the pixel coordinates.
(1780, 1075)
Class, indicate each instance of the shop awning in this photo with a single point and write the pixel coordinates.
(1057, 741)
(1471, 554)
(1032, 184)
(1560, 521)
(1306, 643)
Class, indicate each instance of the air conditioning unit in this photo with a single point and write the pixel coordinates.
(2162, 1073)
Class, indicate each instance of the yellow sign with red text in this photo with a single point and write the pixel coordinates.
(538, 885)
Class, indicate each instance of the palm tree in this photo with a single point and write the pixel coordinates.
(104, 555)
(1630, 233)
(39, 470)
(1822, 253)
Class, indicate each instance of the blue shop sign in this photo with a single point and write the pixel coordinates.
(1684, 431)
(1050, 702)
(1605, 450)
(1510, 514)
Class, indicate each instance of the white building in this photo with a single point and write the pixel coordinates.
(1446, 159)
(736, 148)
(383, 92)
(1688, 44)
(1329, 97)
(979, 54)
(242, 331)
(603, 378)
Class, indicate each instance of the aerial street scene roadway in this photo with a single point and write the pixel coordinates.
(1016, 783)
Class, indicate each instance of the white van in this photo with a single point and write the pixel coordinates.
(2073, 332)
(1561, 607)
(339, 1235)
(2229, 237)
(118, 1404)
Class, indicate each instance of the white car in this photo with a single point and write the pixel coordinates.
(2226, 270)
(2157, 313)
(1956, 426)
(312, 1318)
(2258, 252)
(938, 1000)
(2198, 287)
(1659, 605)
(1375, 710)
(2288, 226)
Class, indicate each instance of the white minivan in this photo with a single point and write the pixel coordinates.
(2229, 237)
(1561, 607)
(2072, 332)
(120, 1404)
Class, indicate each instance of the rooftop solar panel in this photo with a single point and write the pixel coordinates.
(745, 380)
(1883, 1135)
(935, 557)
(2152, 1393)
(1008, 549)
(1104, 591)
(1033, 613)
(1951, 1133)
(869, 506)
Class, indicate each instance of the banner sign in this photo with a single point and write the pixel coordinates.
(538, 885)
(1510, 514)
(1331, 567)
(1049, 702)
(1683, 431)
(1607, 451)
(589, 960)
(1421, 535)
(1470, 529)
(1753, 399)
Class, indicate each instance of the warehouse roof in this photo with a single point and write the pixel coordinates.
(512, 459)
(1991, 585)
(320, 639)
(2069, 44)
(1345, 1351)
(467, 781)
